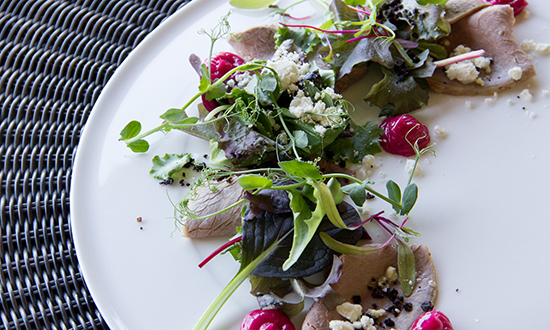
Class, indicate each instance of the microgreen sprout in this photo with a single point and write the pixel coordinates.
(459, 58)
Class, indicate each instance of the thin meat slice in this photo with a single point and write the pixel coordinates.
(489, 29)
(458, 9)
(257, 43)
(208, 202)
(356, 281)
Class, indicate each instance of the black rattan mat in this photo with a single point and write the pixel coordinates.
(55, 58)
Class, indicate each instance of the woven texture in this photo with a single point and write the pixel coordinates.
(55, 58)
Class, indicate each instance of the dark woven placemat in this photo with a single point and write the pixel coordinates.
(55, 58)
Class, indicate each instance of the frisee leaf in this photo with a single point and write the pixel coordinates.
(165, 167)
(345, 248)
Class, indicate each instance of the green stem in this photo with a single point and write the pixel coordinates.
(369, 189)
(241, 276)
(290, 136)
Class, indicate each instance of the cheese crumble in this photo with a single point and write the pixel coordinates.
(467, 71)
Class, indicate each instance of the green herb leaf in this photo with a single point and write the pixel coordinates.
(363, 141)
(305, 226)
(215, 92)
(358, 195)
(405, 95)
(173, 115)
(164, 168)
(251, 4)
(406, 267)
(394, 192)
(324, 196)
(301, 169)
(336, 190)
(300, 138)
(251, 181)
(205, 78)
(303, 38)
(345, 248)
(131, 130)
(409, 198)
(139, 146)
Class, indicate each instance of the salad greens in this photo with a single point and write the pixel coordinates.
(296, 218)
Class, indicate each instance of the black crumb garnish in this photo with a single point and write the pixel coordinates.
(378, 294)
(356, 299)
(392, 294)
(399, 300)
(408, 307)
(395, 310)
(389, 322)
(370, 196)
(427, 306)
(168, 181)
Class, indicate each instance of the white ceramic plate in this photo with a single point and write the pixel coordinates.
(482, 208)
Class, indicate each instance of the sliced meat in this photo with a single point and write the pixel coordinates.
(257, 43)
(489, 29)
(458, 9)
(208, 202)
(357, 277)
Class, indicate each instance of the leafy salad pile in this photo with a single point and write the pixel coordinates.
(297, 219)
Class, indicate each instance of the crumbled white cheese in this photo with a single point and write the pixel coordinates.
(391, 273)
(489, 101)
(464, 71)
(515, 73)
(545, 92)
(368, 161)
(321, 130)
(543, 49)
(439, 131)
(340, 325)
(367, 323)
(482, 63)
(531, 46)
(510, 102)
(409, 167)
(528, 45)
(469, 104)
(242, 79)
(526, 95)
(289, 66)
(350, 311)
(467, 71)
(303, 108)
(376, 313)
(460, 49)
